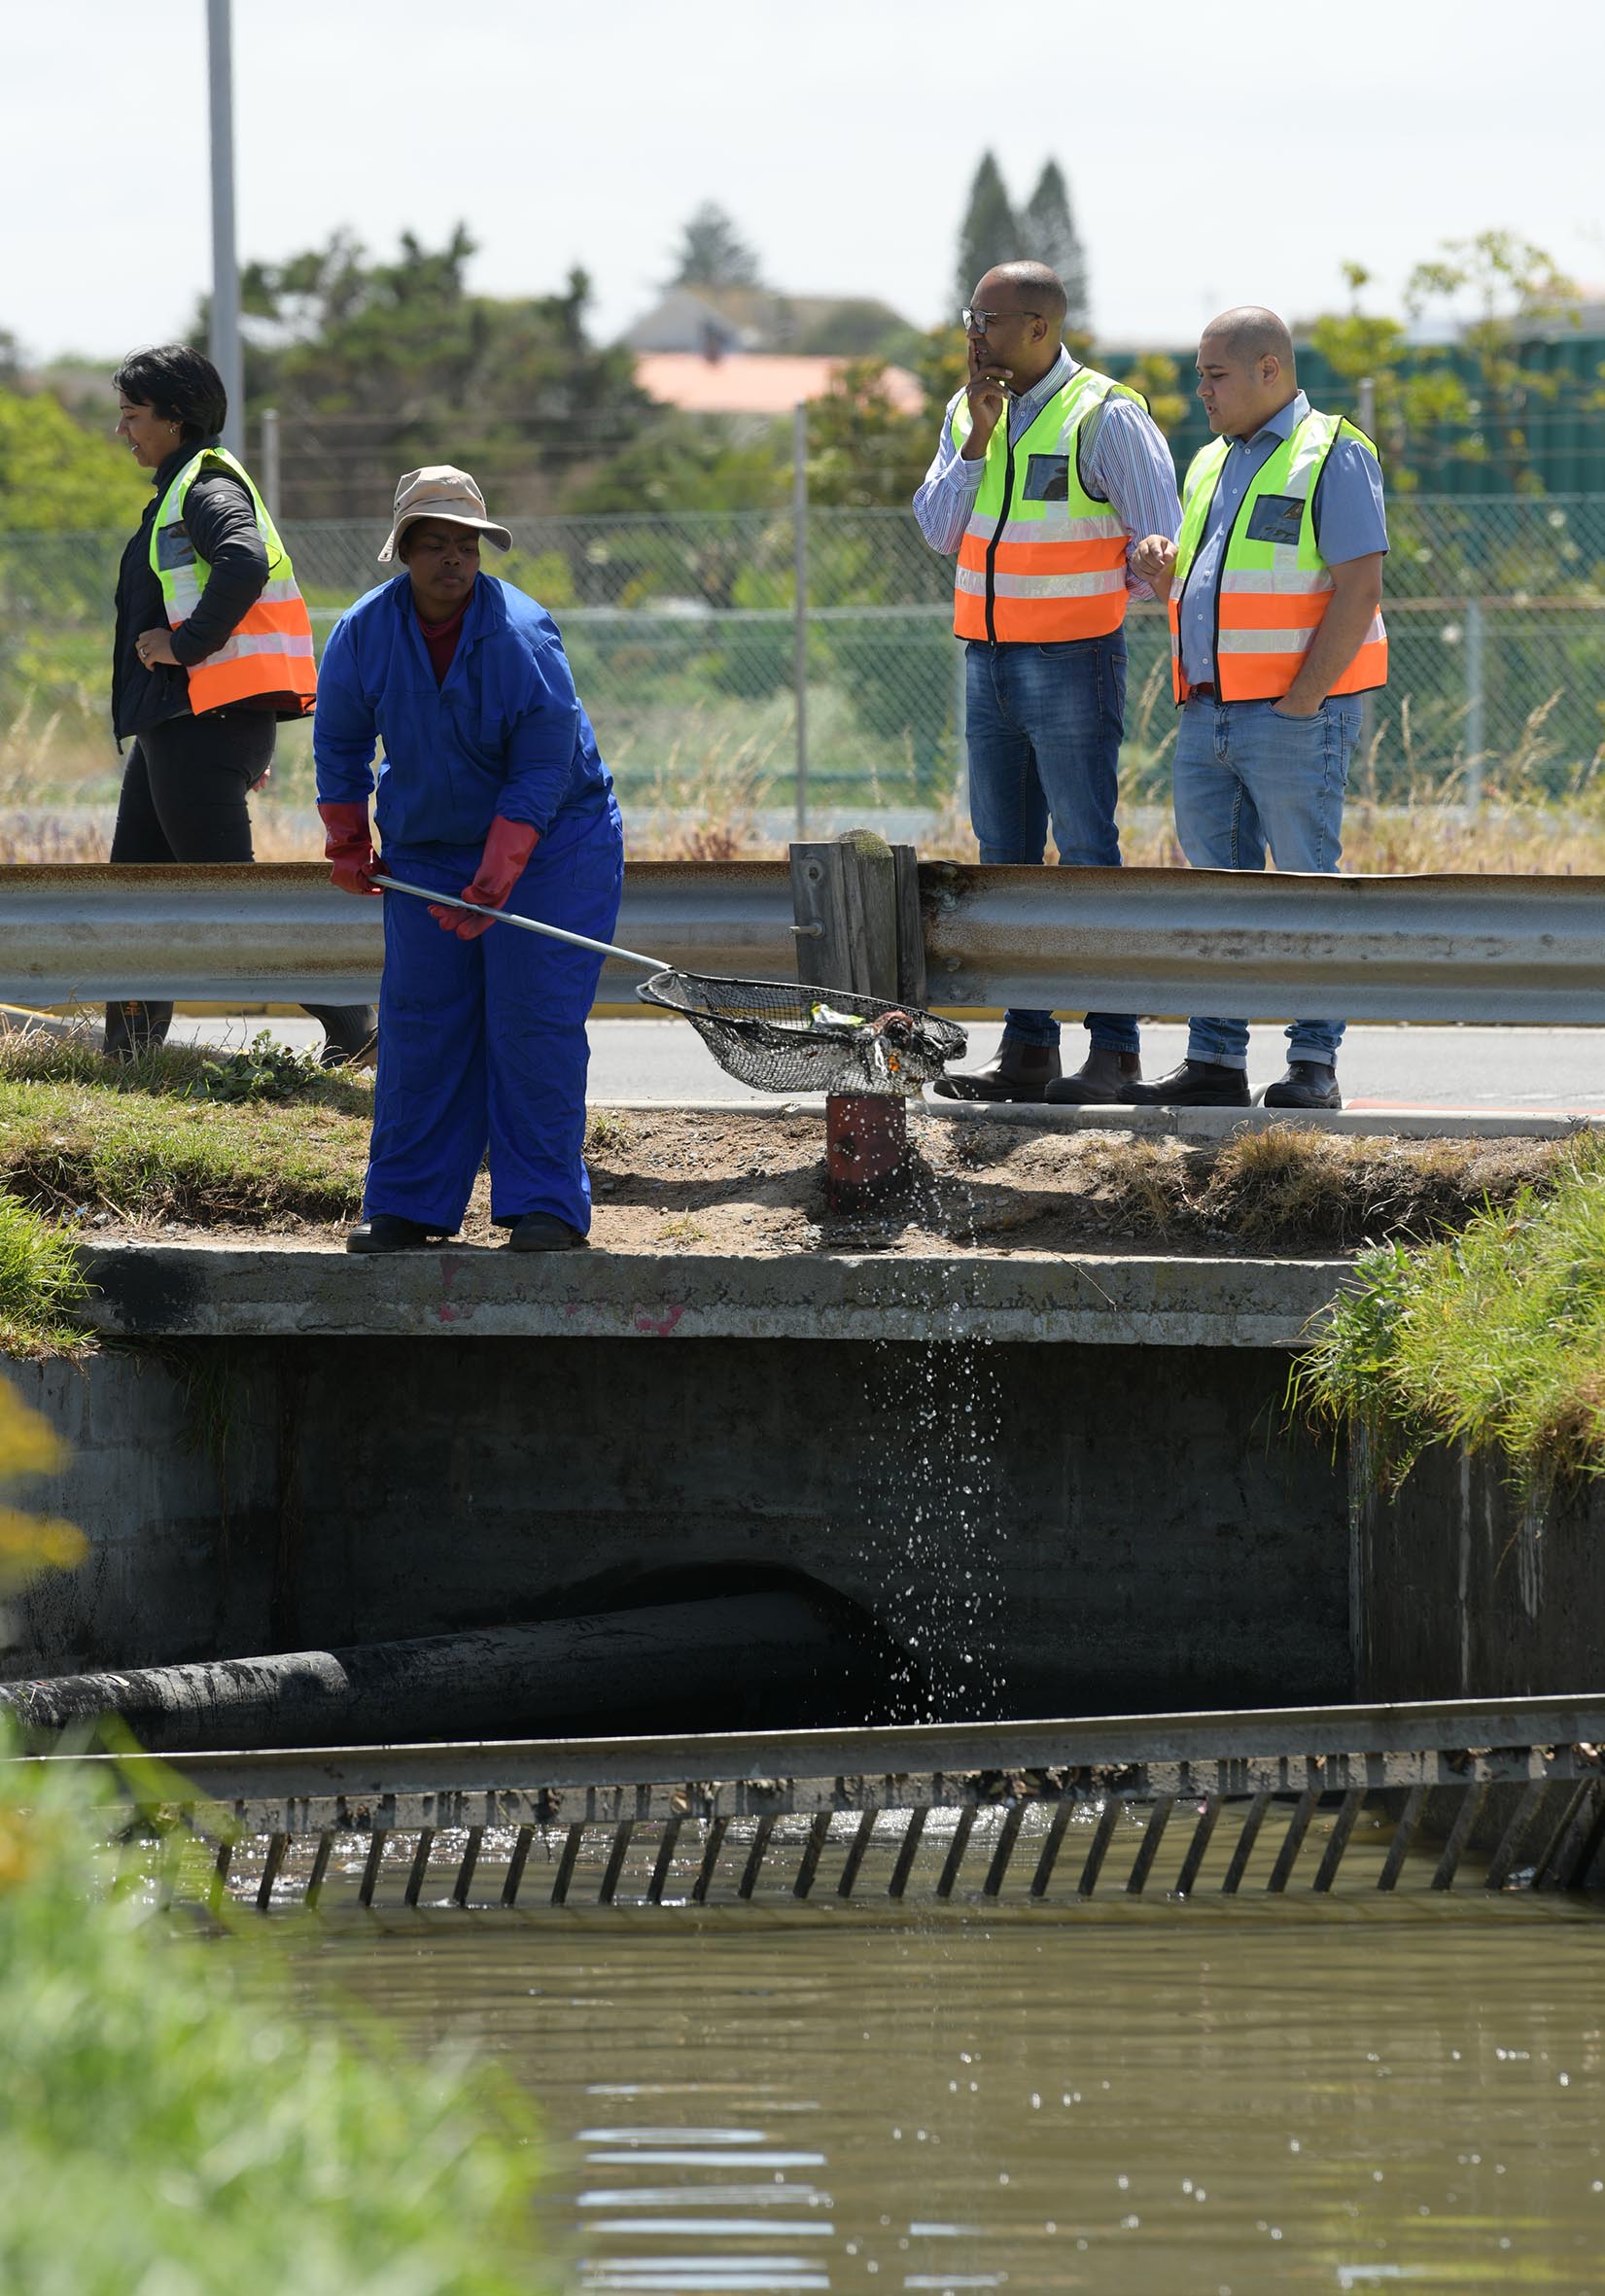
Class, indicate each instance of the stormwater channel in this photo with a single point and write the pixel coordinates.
(1154, 2097)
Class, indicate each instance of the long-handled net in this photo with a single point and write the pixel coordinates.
(784, 1037)
(781, 1036)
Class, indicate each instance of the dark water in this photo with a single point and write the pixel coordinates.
(1155, 2098)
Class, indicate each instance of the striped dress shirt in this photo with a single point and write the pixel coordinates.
(1123, 459)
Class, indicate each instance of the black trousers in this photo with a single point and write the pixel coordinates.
(186, 785)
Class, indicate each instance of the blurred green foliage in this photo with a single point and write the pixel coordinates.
(58, 478)
(172, 2122)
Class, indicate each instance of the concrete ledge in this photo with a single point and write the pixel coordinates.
(1219, 1124)
(226, 1291)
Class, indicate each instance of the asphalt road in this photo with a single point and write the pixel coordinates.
(1519, 1071)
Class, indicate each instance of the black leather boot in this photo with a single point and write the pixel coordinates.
(1306, 1084)
(1196, 1084)
(1020, 1072)
(543, 1232)
(388, 1231)
(1097, 1083)
(349, 1034)
(132, 1028)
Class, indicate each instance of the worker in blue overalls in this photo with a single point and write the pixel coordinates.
(490, 788)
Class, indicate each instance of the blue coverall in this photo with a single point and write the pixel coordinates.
(482, 1042)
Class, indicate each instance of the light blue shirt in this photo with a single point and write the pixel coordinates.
(1349, 523)
(1124, 458)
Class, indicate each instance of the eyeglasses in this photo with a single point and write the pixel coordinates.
(975, 322)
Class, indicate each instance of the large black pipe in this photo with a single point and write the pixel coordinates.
(737, 1660)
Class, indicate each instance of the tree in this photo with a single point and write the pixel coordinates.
(863, 452)
(1048, 233)
(374, 367)
(711, 254)
(1156, 375)
(55, 478)
(990, 233)
(1516, 288)
(1413, 391)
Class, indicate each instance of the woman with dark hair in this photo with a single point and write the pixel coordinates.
(213, 647)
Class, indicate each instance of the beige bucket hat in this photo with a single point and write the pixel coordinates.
(439, 490)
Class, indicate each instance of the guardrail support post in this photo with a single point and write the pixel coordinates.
(857, 905)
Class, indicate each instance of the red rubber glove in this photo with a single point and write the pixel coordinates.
(349, 845)
(507, 848)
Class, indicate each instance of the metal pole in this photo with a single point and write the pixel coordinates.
(1367, 414)
(225, 284)
(799, 572)
(1476, 737)
(270, 467)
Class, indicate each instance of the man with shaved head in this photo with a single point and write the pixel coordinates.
(1043, 505)
(1274, 588)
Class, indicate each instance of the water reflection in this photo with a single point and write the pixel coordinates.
(1145, 2099)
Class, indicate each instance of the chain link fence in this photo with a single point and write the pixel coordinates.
(683, 635)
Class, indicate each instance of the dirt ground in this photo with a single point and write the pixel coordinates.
(683, 1182)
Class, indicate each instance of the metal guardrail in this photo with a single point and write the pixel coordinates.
(1430, 949)
(929, 1813)
(1512, 949)
(279, 933)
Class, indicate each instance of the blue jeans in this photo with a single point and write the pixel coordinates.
(1044, 725)
(1248, 779)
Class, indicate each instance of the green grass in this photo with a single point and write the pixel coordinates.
(40, 1284)
(1494, 1339)
(79, 1135)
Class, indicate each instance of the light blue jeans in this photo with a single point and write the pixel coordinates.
(1043, 726)
(1249, 780)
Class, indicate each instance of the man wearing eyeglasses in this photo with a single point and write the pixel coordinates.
(1043, 505)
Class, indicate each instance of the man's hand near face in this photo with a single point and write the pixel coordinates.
(987, 401)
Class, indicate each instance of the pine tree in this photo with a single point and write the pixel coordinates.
(1048, 235)
(990, 233)
(711, 252)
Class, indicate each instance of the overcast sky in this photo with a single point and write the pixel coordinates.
(1214, 157)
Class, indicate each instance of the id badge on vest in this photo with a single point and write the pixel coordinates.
(1276, 518)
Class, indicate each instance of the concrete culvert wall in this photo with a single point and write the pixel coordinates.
(1044, 1528)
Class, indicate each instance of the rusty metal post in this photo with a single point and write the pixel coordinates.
(865, 1148)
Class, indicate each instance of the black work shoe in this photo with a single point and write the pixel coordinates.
(351, 1034)
(1196, 1084)
(1020, 1072)
(543, 1232)
(387, 1232)
(1307, 1084)
(1097, 1083)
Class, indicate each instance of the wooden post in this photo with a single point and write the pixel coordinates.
(857, 905)
(849, 888)
(856, 900)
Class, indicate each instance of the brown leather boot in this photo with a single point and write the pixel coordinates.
(1020, 1072)
(1097, 1083)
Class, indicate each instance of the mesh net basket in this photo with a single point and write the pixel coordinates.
(782, 1036)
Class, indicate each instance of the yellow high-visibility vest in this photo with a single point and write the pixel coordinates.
(1043, 558)
(270, 650)
(1274, 586)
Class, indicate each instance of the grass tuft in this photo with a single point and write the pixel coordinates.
(40, 1285)
(1494, 1339)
